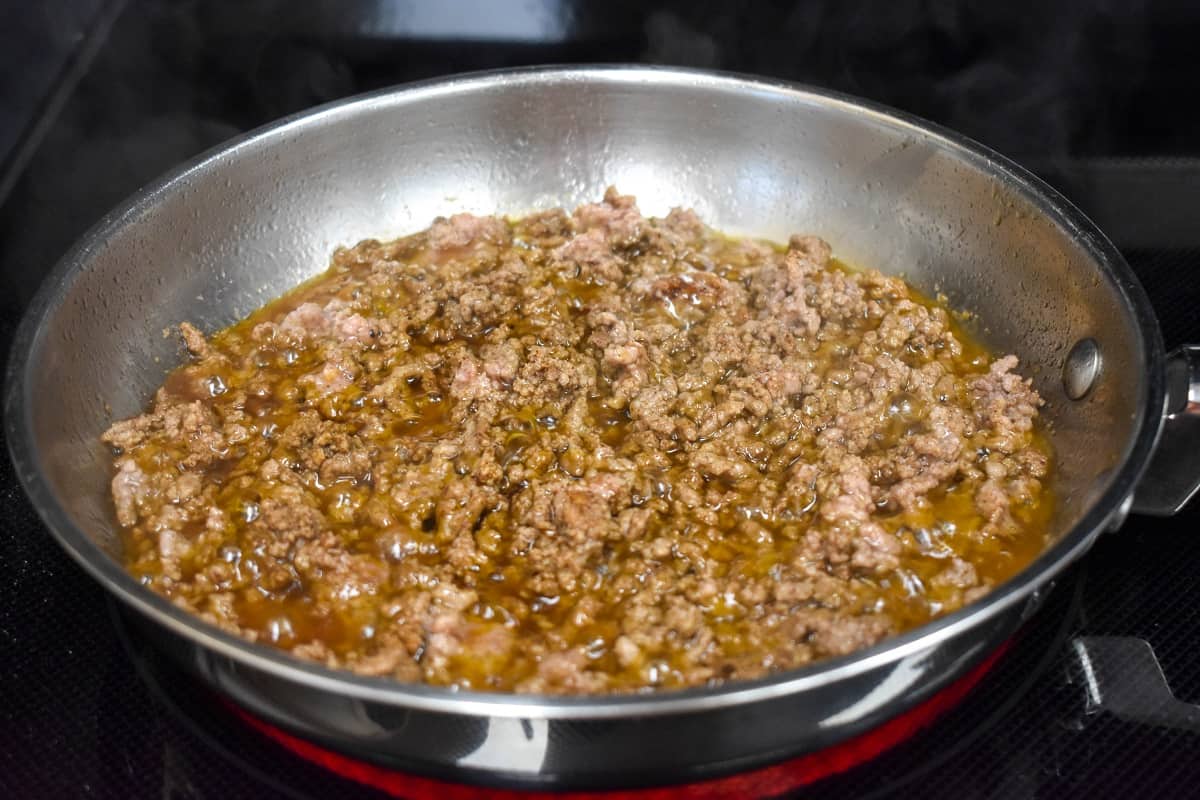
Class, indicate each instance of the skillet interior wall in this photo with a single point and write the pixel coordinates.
(240, 230)
(1040, 84)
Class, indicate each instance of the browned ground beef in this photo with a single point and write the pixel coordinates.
(582, 453)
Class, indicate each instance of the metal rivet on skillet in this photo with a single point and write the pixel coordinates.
(1081, 368)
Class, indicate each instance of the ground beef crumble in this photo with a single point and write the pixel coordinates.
(580, 453)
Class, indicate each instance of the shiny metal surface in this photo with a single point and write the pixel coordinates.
(1122, 676)
(1173, 476)
(534, 751)
(1082, 368)
(240, 225)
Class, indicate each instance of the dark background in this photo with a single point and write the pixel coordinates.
(98, 97)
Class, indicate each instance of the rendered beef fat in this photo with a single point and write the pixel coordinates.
(582, 453)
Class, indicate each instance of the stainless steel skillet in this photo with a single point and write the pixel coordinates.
(241, 224)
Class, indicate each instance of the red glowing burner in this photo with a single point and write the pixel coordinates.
(763, 782)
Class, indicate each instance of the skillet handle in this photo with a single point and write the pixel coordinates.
(1173, 476)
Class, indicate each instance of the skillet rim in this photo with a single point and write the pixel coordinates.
(55, 288)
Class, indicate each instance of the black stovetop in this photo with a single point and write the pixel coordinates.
(1093, 698)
